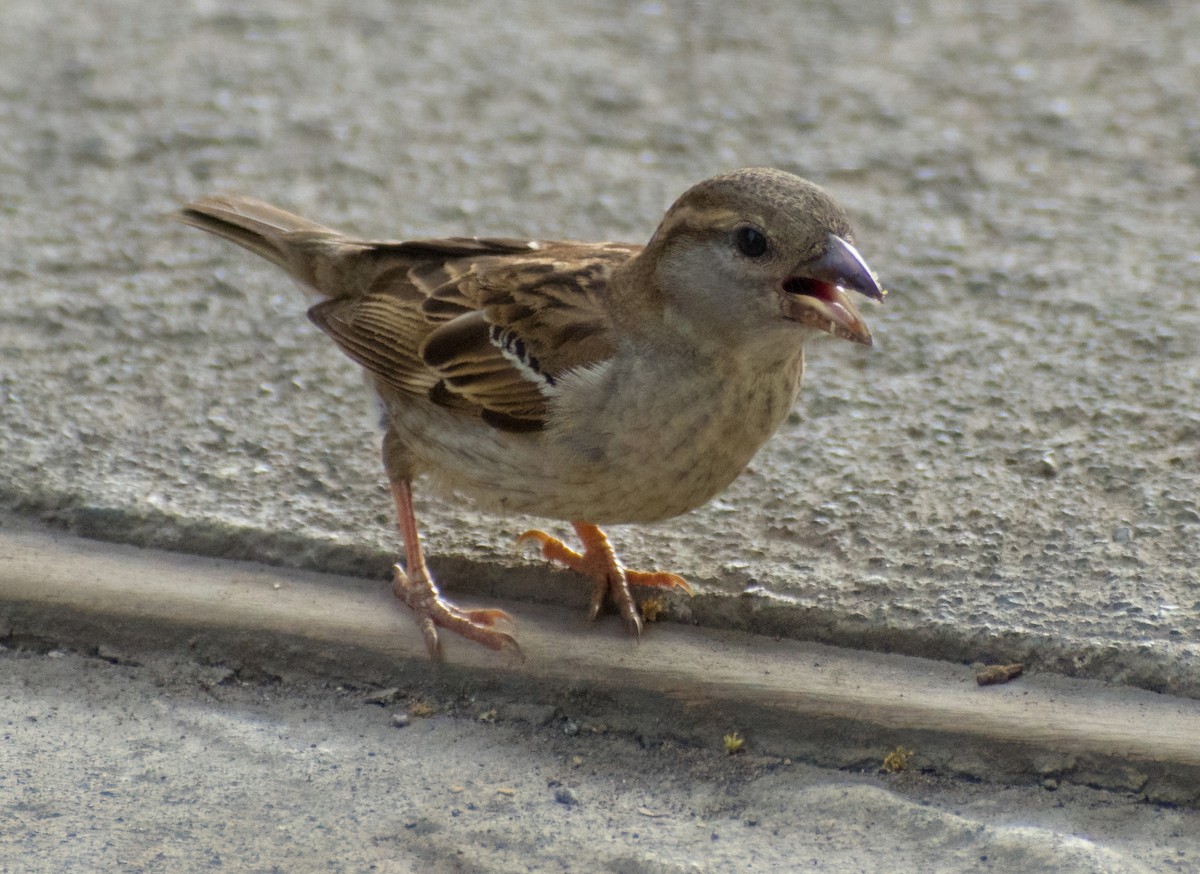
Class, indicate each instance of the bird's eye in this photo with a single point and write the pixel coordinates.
(751, 242)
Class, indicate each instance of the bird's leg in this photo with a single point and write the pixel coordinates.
(609, 577)
(413, 585)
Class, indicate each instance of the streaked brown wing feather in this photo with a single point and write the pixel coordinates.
(475, 370)
(382, 333)
(535, 318)
(557, 307)
(477, 325)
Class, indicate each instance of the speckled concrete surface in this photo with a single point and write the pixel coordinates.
(213, 773)
(1011, 472)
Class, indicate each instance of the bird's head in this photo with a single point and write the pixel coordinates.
(760, 252)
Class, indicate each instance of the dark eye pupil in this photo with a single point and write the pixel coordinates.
(751, 242)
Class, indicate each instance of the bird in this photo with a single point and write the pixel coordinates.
(596, 383)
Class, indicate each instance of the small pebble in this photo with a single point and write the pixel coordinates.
(400, 719)
(566, 795)
(992, 675)
(1122, 534)
(383, 696)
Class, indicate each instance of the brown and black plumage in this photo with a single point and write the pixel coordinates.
(592, 382)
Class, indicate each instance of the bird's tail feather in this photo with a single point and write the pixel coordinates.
(266, 230)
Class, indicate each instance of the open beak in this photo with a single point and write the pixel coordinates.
(816, 294)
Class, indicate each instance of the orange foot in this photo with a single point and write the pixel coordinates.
(418, 590)
(609, 577)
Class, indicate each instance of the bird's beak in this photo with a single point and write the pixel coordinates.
(816, 294)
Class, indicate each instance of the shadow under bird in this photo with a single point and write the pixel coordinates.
(597, 383)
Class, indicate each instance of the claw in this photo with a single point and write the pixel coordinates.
(610, 579)
(415, 587)
(431, 611)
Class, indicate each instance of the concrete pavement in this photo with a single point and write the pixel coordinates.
(166, 712)
(1011, 474)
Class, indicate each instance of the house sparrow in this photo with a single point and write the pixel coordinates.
(592, 382)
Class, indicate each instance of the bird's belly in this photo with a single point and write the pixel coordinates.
(652, 466)
(635, 482)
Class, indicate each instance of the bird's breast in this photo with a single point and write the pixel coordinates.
(647, 446)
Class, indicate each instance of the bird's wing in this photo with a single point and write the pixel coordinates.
(482, 326)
